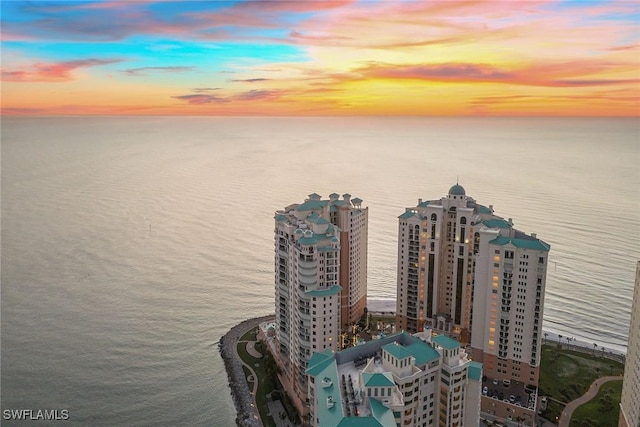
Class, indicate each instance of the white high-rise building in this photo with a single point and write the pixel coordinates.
(399, 380)
(630, 402)
(468, 273)
(320, 265)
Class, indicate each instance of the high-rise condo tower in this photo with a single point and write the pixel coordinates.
(320, 277)
(468, 273)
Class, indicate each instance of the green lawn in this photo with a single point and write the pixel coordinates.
(566, 375)
(249, 335)
(265, 385)
(602, 410)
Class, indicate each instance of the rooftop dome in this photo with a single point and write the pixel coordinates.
(457, 190)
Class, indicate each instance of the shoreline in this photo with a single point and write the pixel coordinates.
(387, 306)
(242, 398)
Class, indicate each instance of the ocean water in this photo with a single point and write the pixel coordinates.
(131, 245)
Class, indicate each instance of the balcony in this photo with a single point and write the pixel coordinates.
(304, 315)
(306, 264)
(307, 279)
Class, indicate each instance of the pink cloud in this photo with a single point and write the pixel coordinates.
(259, 95)
(439, 72)
(51, 72)
(560, 74)
(201, 99)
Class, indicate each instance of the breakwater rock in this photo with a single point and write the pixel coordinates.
(247, 416)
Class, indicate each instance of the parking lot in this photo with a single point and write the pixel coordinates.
(513, 392)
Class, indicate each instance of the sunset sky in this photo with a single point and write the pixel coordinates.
(518, 57)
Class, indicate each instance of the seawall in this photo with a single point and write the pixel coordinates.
(242, 399)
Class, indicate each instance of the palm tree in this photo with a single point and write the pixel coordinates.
(559, 338)
(546, 334)
(594, 348)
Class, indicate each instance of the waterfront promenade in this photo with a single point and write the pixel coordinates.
(243, 398)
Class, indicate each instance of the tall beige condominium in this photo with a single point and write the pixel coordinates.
(630, 403)
(435, 262)
(353, 221)
(320, 266)
(468, 273)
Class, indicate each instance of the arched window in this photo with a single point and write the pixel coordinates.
(463, 220)
(434, 217)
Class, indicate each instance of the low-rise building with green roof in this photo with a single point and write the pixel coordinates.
(395, 380)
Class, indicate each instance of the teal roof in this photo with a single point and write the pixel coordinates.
(315, 196)
(326, 368)
(424, 204)
(377, 379)
(313, 204)
(359, 422)
(319, 356)
(317, 219)
(521, 243)
(497, 223)
(407, 214)
(308, 241)
(356, 200)
(396, 350)
(335, 289)
(281, 217)
(483, 209)
(323, 366)
(382, 414)
(318, 362)
(457, 190)
(475, 370)
(423, 352)
(446, 342)
(334, 195)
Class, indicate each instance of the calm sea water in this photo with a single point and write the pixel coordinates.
(130, 245)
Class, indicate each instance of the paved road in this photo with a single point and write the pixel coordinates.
(565, 417)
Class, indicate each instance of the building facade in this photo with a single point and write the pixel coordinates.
(468, 273)
(630, 402)
(311, 278)
(353, 222)
(435, 264)
(400, 380)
